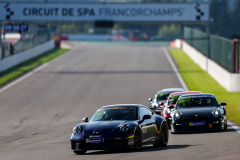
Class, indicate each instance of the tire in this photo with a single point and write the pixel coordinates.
(79, 152)
(138, 138)
(164, 134)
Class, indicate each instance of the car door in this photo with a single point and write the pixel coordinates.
(146, 125)
(151, 125)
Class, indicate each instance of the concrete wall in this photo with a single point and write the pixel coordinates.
(229, 81)
(20, 57)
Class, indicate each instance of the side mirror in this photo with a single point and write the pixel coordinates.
(167, 97)
(161, 103)
(85, 119)
(223, 104)
(147, 117)
(150, 99)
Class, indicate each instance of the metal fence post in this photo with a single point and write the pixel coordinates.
(1, 40)
(208, 46)
(234, 56)
(237, 56)
(238, 67)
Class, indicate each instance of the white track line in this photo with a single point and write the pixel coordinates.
(36, 70)
(233, 126)
(23, 77)
(175, 69)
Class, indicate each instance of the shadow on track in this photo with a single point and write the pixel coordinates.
(143, 149)
(203, 132)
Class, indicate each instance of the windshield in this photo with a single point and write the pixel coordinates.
(173, 99)
(115, 113)
(196, 102)
(162, 96)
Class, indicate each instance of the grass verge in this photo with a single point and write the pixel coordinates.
(198, 80)
(24, 67)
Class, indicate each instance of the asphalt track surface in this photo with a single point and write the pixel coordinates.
(38, 113)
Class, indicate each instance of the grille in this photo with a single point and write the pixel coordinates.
(195, 128)
(105, 145)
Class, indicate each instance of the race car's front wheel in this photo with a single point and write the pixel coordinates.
(138, 138)
(164, 134)
(80, 152)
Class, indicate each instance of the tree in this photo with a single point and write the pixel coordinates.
(171, 31)
(235, 20)
(221, 16)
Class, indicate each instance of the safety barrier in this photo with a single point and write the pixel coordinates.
(39, 37)
(25, 55)
(222, 50)
(230, 81)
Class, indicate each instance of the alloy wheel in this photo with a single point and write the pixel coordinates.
(138, 138)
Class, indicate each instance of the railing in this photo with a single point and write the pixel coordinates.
(106, 1)
(32, 40)
(222, 50)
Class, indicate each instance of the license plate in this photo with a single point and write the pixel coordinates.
(196, 123)
(95, 140)
(95, 136)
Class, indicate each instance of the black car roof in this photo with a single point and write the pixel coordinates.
(123, 105)
(197, 95)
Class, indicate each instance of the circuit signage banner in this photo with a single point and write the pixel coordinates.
(158, 12)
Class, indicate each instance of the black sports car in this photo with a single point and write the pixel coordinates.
(196, 112)
(119, 126)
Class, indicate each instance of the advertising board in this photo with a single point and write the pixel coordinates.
(158, 12)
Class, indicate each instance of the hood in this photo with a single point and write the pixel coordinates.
(164, 101)
(101, 127)
(201, 112)
(174, 105)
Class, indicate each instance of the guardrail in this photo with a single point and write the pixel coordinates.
(223, 51)
(39, 37)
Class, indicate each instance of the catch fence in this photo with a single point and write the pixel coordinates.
(223, 51)
(28, 40)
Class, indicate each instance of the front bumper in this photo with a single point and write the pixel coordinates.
(108, 144)
(184, 126)
(168, 122)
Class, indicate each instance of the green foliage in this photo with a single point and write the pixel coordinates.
(24, 67)
(74, 29)
(170, 30)
(198, 80)
(224, 16)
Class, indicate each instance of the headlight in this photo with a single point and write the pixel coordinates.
(155, 105)
(177, 115)
(76, 130)
(216, 113)
(124, 127)
(168, 111)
